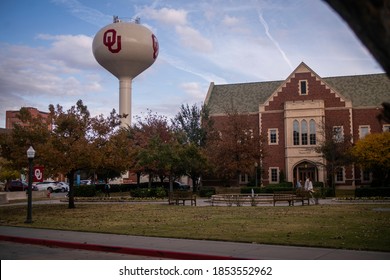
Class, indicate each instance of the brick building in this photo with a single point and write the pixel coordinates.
(11, 117)
(292, 113)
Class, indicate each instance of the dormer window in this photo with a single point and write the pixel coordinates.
(303, 87)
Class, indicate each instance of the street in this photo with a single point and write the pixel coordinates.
(18, 251)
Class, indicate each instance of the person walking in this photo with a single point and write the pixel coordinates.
(107, 190)
(299, 184)
(310, 189)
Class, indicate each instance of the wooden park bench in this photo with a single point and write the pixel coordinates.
(240, 199)
(180, 197)
(284, 196)
(302, 195)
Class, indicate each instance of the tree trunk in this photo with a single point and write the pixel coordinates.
(138, 179)
(70, 177)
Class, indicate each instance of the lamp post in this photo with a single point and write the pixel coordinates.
(256, 174)
(30, 156)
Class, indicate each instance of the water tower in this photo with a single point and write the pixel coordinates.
(125, 49)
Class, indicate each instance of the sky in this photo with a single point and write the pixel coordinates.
(46, 50)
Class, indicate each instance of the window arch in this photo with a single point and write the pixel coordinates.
(313, 137)
(304, 132)
(296, 132)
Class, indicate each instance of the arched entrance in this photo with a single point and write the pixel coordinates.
(304, 170)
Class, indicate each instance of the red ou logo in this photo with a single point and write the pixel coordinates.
(110, 39)
(155, 46)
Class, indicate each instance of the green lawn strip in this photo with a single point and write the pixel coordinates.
(356, 226)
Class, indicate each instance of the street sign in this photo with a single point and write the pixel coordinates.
(38, 174)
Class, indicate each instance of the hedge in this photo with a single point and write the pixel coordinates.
(84, 191)
(158, 192)
(207, 191)
(372, 192)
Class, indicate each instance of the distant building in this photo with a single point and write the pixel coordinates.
(11, 117)
(291, 113)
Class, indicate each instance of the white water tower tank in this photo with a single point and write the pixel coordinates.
(125, 49)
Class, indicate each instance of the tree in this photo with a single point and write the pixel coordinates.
(194, 162)
(335, 149)
(235, 146)
(157, 147)
(189, 122)
(373, 153)
(384, 115)
(192, 124)
(113, 146)
(79, 142)
(30, 131)
(7, 173)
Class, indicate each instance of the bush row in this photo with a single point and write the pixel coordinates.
(372, 192)
(162, 191)
(158, 192)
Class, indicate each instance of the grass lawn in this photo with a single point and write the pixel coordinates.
(357, 226)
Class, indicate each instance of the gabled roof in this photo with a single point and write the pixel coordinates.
(245, 97)
(362, 90)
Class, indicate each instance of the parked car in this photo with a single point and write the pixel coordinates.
(49, 186)
(85, 182)
(63, 186)
(17, 185)
(180, 186)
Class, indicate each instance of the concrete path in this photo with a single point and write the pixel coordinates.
(178, 248)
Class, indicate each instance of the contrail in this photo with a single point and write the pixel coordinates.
(264, 23)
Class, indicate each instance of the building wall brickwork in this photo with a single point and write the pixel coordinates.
(292, 106)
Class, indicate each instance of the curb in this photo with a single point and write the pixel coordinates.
(116, 249)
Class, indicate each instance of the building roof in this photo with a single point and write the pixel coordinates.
(362, 90)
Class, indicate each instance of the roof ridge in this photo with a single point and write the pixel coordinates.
(355, 76)
(281, 81)
(249, 83)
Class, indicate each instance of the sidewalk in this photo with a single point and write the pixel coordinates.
(178, 248)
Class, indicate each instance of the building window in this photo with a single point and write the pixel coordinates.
(304, 132)
(296, 132)
(274, 175)
(366, 176)
(338, 134)
(312, 125)
(386, 128)
(340, 175)
(303, 87)
(243, 178)
(273, 136)
(363, 131)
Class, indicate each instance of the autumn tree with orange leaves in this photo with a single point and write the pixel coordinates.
(234, 147)
(373, 153)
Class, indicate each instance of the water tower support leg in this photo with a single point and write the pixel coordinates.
(125, 101)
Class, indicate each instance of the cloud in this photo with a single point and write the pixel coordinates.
(188, 36)
(194, 90)
(37, 76)
(166, 15)
(51, 69)
(73, 50)
(84, 13)
(230, 21)
(194, 39)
